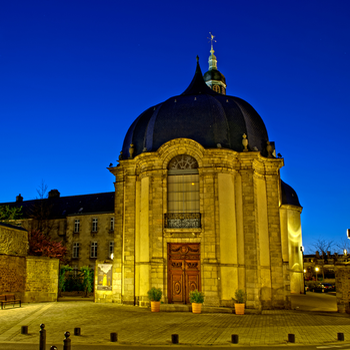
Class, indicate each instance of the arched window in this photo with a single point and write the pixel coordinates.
(216, 88)
(183, 193)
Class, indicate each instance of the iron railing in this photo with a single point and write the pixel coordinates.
(182, 220)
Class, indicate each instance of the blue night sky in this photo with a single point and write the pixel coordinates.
(75, 74)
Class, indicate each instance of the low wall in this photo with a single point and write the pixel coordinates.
(12, 275)
(342, 283)
(42, 279)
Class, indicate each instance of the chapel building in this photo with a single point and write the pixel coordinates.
(199, 204)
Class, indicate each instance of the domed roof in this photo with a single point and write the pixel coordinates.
(201, 114)
(289, 196)
(214, 74)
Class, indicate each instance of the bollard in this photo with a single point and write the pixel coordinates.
(67, 341)
(234, 338)
(24, 330)
(114, 337)
(175, 339)
(291, 338)
(53, 347)
(341, 336)
(42, 339)
(77, 331)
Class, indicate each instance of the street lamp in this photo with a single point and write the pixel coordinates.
(316, 269)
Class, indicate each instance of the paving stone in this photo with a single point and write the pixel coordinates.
(136, 325)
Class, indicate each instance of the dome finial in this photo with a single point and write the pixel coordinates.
(212, 58)
(211, 42)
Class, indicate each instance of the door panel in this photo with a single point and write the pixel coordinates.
(183, 271)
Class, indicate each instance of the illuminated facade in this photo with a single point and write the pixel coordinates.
(199, 204)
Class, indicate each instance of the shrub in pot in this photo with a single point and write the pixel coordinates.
(239, 301)
(197, 299)
(154, 295)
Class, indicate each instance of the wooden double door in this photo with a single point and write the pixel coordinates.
(183, 271)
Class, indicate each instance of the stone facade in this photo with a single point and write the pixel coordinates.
(67, 231)
(244, 238)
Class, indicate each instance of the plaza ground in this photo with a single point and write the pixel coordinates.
(313, 320)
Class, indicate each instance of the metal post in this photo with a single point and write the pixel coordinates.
(114, 337)
(67, 341)
(53, 347)
(42, 338)
(341, 336)
(24, 330)
(175, 339)
(291, 338)
(234, 338)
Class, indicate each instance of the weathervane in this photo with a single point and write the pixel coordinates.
(212, 40)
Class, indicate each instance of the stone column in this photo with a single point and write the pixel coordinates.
(142, 243)
(228, 237)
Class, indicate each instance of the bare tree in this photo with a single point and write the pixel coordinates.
(323, 246)
(41, 211)
(343, 244)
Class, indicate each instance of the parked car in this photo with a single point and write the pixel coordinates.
(319, 288)
(328, 287)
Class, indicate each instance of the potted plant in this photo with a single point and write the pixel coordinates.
(154, 295)
(197, 299)
(239, 301)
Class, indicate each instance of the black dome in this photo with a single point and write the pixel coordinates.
(289, 196)
(214, 74)
(200, 114)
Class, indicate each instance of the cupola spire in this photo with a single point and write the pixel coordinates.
(213, 78)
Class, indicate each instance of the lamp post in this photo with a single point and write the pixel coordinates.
(316, 269)
(302, 256)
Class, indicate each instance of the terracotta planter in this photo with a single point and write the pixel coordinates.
(155, 306)
(239, 309)
(196, 308)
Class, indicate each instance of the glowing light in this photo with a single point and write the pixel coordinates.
(317, 269)
(345, 252)
(112, 256)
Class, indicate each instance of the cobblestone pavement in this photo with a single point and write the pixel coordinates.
(136, 325)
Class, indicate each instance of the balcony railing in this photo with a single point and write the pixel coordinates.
(182, 220)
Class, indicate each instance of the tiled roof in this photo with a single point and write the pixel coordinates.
(60, 207)
(12, 226)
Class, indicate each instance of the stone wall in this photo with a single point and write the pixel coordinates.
(42, 279)
(13, 240)
(13, 250)
(342, 283)
(12, 274)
